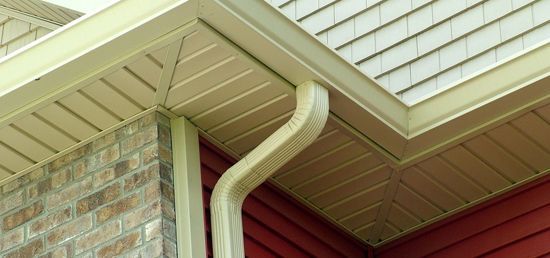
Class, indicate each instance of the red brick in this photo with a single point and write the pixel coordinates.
(93, 201)
(32, 249)
(70, 193)
(69, 158)
(117, 208)
(56, 180)
(99, 236)
(20, 181)
(141, 178)
(23, 215)
(121, 245)
(138, 140)
(69, 230)
(51, 221)
(63, 251)
(104, 157)
(11, 202)
(141, 215)
(11, 239)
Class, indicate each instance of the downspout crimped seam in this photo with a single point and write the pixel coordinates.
(237, 182)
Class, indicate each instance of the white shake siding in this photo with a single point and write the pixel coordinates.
(413, 47)
(15, 34)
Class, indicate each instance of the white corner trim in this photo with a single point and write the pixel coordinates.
(190, 231)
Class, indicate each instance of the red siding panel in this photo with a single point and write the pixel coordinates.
(535, 245)
(514, 225)
(274, 225)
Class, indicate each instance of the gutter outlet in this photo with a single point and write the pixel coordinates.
(255, 168)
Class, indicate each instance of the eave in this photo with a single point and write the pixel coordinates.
(403, 132)
(276, 50)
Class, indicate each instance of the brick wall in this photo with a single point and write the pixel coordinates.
(112, 197)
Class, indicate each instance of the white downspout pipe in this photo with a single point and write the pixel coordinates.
(256, 167)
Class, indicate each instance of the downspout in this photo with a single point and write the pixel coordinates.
(256, 167)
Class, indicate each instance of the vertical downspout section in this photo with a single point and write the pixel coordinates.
(256, 167)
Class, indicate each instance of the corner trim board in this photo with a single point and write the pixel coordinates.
(191, 238)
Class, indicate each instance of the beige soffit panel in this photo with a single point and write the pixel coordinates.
(157, 58)
(278, 42)
(68, 98)
(491, 97)
(370, 128)
(233, 98)
(297, 56)
(466, 174)
(86, 59)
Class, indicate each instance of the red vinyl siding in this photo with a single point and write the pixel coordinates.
(514, 225)
(274, 225)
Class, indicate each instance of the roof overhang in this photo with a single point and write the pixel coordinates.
(276, 48)
(402, 133)
(405, 133)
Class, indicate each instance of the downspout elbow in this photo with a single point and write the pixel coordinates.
(238, 181)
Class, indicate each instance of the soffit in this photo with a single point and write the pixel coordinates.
(183, 67)
(403, 133)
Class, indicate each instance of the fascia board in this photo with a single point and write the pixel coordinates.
(400, 132)
(478, 103)
(297, 56)
(479, 89)
(531, 95)
(406, 132)
(73, 56)
(447, 117)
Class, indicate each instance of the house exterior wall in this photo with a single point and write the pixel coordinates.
(113, 196)
(514, 225)
(274, 225)
(16, 33)
(416, 47)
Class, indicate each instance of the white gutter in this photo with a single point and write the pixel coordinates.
(238, 181)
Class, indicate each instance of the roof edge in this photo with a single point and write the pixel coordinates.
(83, 57)
(297, 56)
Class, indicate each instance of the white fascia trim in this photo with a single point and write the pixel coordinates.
(377, 116)
(479, 89)
(356, 99)
(81, 52)
(317, 58)
(297, 56)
